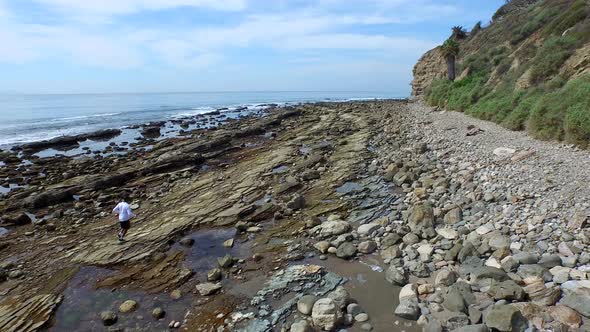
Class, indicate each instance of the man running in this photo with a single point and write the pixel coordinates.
(125, 214)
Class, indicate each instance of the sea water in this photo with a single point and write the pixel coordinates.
(29, 118)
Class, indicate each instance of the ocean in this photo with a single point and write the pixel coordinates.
(29, 118)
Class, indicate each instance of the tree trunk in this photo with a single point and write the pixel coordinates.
(451, 67)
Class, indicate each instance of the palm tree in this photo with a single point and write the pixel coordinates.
(450, 50)
(458, 32)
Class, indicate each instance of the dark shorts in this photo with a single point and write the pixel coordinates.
(125, 224)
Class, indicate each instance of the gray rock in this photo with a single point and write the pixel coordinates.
(325, 314)
(550, 261)
(410, 239)
(390, 240)
(421, 218)
(506, 290)
(468, 250)
(208, 288)
(391, 253)
(367, 247)
(408, 309)
(362, 317)
(396, 276)
(506, 318)
(534, 270)
(108, 318)
(333, 228)
(488, 272)
(305, 304)
(576, 295)
(346, 250)
(225, 261)
(454, 302)
(445, 277)
(158, 313)
(340, 296)
(128, 306)
(499, 242)
(367, 229)
(214, 275)
(457, 320)
(472, 328)
(453, 216)
(526, 258)
(354, 309)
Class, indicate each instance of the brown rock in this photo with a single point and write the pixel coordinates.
(566, 315)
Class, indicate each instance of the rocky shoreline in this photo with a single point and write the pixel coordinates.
(474, 228)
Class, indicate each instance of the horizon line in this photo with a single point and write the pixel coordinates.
(187, 92)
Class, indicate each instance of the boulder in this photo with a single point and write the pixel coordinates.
(566, 315)
(305, 304)
(158, 313)
(322, 246)
(367, 229)
(421, 218)
(506, 318)
(454, 302)
(445, 277)
(128, 306)
(108, 318)
(208, 288)
(390, 240)
(340, 296)
(408, 309)
(214, 275)
(577, 296)
(346, 250)
(396, 276)
(367, 247)
(447, 233)
(225, 261)
(542, 295)
(472, 328)
(506, 290)
(333, 228)
(453, 216)
(325, 314)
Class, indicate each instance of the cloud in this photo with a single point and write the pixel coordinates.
(357, 42)
(121, 7)
(97, 33)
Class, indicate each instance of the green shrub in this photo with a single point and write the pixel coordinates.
(465, 92)
(517, 119)
(438, 92)
(496, 105)
(575, 13)
(534, 23)
(564, 113)
(554, 52)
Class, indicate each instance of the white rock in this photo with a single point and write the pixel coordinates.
(504, 152)
(367, 229)
(409, 291)
(483, 229)
(447, 233)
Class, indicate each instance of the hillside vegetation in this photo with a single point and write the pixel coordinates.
(528, 70)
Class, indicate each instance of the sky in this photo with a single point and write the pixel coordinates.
(113, 46)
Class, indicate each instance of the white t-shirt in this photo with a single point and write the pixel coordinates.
(124, 211)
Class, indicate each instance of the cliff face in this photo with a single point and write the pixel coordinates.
(431, 66)
(528, 70)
